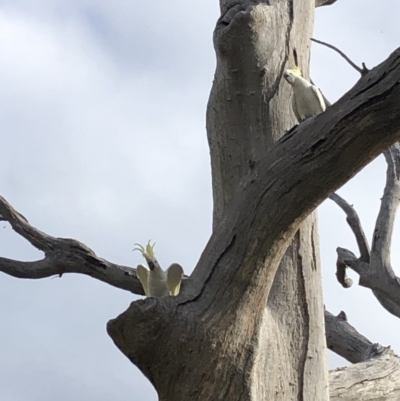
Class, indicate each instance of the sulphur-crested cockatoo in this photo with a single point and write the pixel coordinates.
(155, 281)
(307, 100)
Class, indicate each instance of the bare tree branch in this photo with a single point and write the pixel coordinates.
(387, 297)
(371, 107)
(375, 374)
(376, 379)
(391, 305)
(377, 273)
(354, 222)
(320, 3)
(389, 204)
(20, 225)
(62, 255)
(349, 259)
(314, 146)
(237, 268)
(343, 339)
(364, 70)
(69, 256)
(341, 272)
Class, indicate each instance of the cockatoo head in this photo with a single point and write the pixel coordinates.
(148, 253)
(291, 74)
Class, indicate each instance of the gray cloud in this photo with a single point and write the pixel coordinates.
(102, 110)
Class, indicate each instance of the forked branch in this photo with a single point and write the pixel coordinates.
(374, 267)
(70, 256)
(62, 255)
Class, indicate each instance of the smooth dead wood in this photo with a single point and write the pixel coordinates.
(375, 375)
(374, 266)
(355, 224)
(320, 3)
(343, 339)
(377, 379)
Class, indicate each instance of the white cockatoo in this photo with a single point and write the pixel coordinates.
(307, 100)
(155, 281)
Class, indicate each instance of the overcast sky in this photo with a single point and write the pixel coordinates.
(102, 116)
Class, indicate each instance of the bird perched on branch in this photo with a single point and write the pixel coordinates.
(307, 100)
(155, 281)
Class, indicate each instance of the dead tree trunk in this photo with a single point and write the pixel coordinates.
(248, 111)
(249, 324)
(240, 331)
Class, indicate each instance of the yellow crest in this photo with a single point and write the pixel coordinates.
(296, 70)
(147, 252)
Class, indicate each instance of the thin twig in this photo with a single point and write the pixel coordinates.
(364, 70)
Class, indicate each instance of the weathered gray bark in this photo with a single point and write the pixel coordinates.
(243, 329)
(374, 380)
(240, 313)
(374, 265)
(376, 373)
(249, 109)
(343, 339)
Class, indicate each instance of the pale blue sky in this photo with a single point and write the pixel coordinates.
(102, 114)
